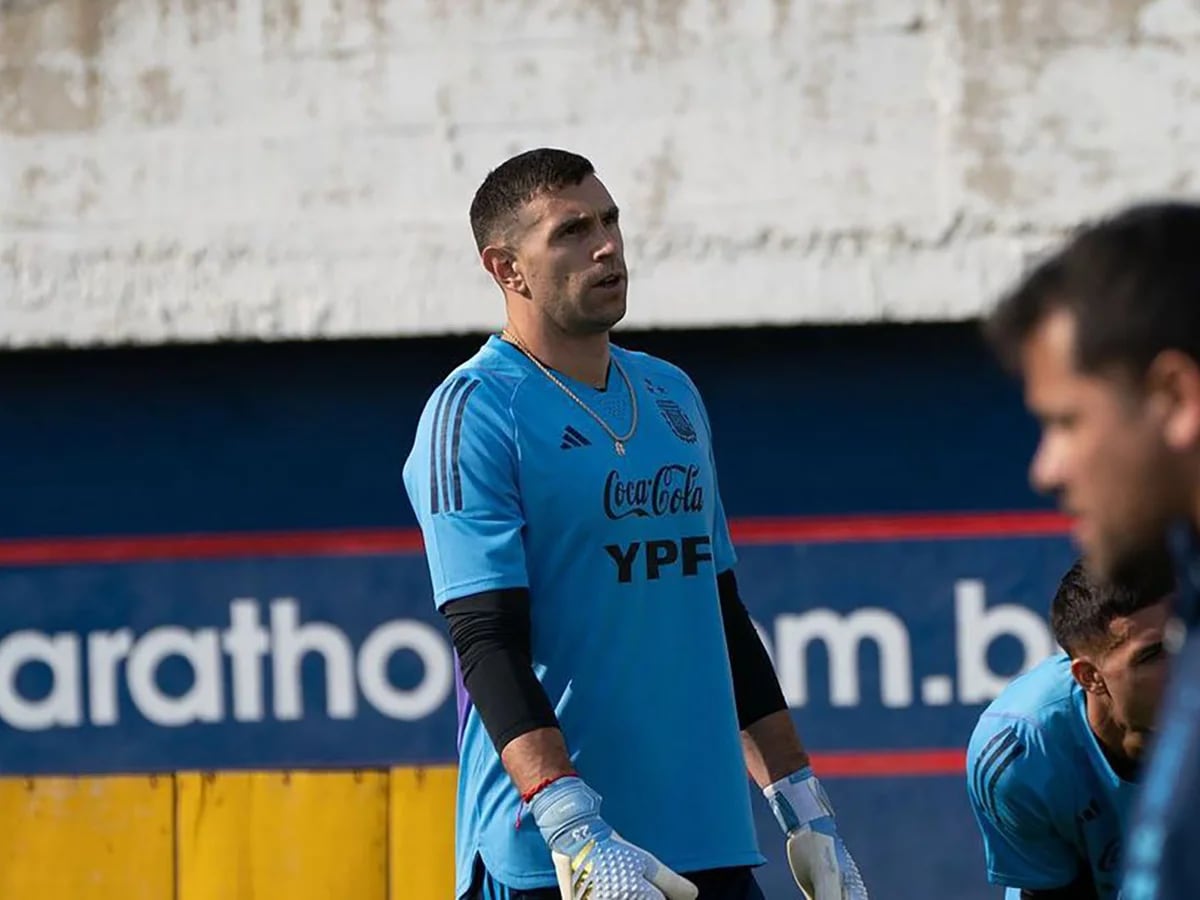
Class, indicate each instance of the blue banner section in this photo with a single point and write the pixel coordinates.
(341, 661)
(264, 663)
(242, 437)
(900, 644)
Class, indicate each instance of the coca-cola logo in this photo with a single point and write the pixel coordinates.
(672, 490)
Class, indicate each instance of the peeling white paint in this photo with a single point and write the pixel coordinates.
(176, 170)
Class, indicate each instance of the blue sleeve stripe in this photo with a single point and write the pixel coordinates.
(443, 437)
(434, 495)
(458, 420)
(1008, 760)
(1000, 742)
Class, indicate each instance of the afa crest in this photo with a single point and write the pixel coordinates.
(680, 424)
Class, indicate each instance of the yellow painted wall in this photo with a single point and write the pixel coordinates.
(306, 836)
(371, 835)
(422, 825)
(94, 838)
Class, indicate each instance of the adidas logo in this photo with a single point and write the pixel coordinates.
(572, 438)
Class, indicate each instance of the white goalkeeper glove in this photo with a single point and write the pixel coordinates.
(590, 859)
(820, 862)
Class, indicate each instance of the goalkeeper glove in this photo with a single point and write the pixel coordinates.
(590, 859)
(820, 862)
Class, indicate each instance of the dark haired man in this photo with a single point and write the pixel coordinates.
(567, 492)
(1052, 763)
(1106, 334)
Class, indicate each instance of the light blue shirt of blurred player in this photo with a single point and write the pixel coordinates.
(515, 485)
(1049, 806)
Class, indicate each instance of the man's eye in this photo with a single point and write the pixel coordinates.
(1063, 422)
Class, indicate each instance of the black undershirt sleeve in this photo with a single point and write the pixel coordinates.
(491, 635)
(756, 688)
(490, 632)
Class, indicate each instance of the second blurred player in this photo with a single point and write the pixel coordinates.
(1053, 763)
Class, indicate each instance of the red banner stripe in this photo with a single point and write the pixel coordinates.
(791, 530)
(888, 763)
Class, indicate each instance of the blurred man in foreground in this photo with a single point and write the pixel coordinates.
(1106, 334)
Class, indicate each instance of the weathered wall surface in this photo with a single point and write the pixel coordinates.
(187, 170)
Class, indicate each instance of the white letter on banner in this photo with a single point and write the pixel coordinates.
(977, 626)
(291, 642)
(842, 636)
(436, 682)
(247, 642)
(106, 649)
(203, 701)
(61, 706)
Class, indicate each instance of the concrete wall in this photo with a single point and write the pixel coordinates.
(187, 170)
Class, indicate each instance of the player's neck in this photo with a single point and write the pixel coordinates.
(584, 358)
(1122, 747)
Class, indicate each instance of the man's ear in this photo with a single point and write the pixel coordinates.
(1172, 382)
(1084, 671)
(501, 263)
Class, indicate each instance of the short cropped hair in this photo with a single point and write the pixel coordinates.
(518, 180)
(1084, 607)
(1131, 283)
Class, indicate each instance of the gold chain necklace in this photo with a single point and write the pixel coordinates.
(618, 440)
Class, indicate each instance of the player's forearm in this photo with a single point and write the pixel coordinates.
(536, 757)
(773, 748)
(490, 632)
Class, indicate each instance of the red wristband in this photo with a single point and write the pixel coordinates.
(544, 783)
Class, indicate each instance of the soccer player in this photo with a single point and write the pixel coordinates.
(1106, 334)
(614, 692)
(1052, 764)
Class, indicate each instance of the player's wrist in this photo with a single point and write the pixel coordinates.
(528, 795)
(798, 800)
(567, 812)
